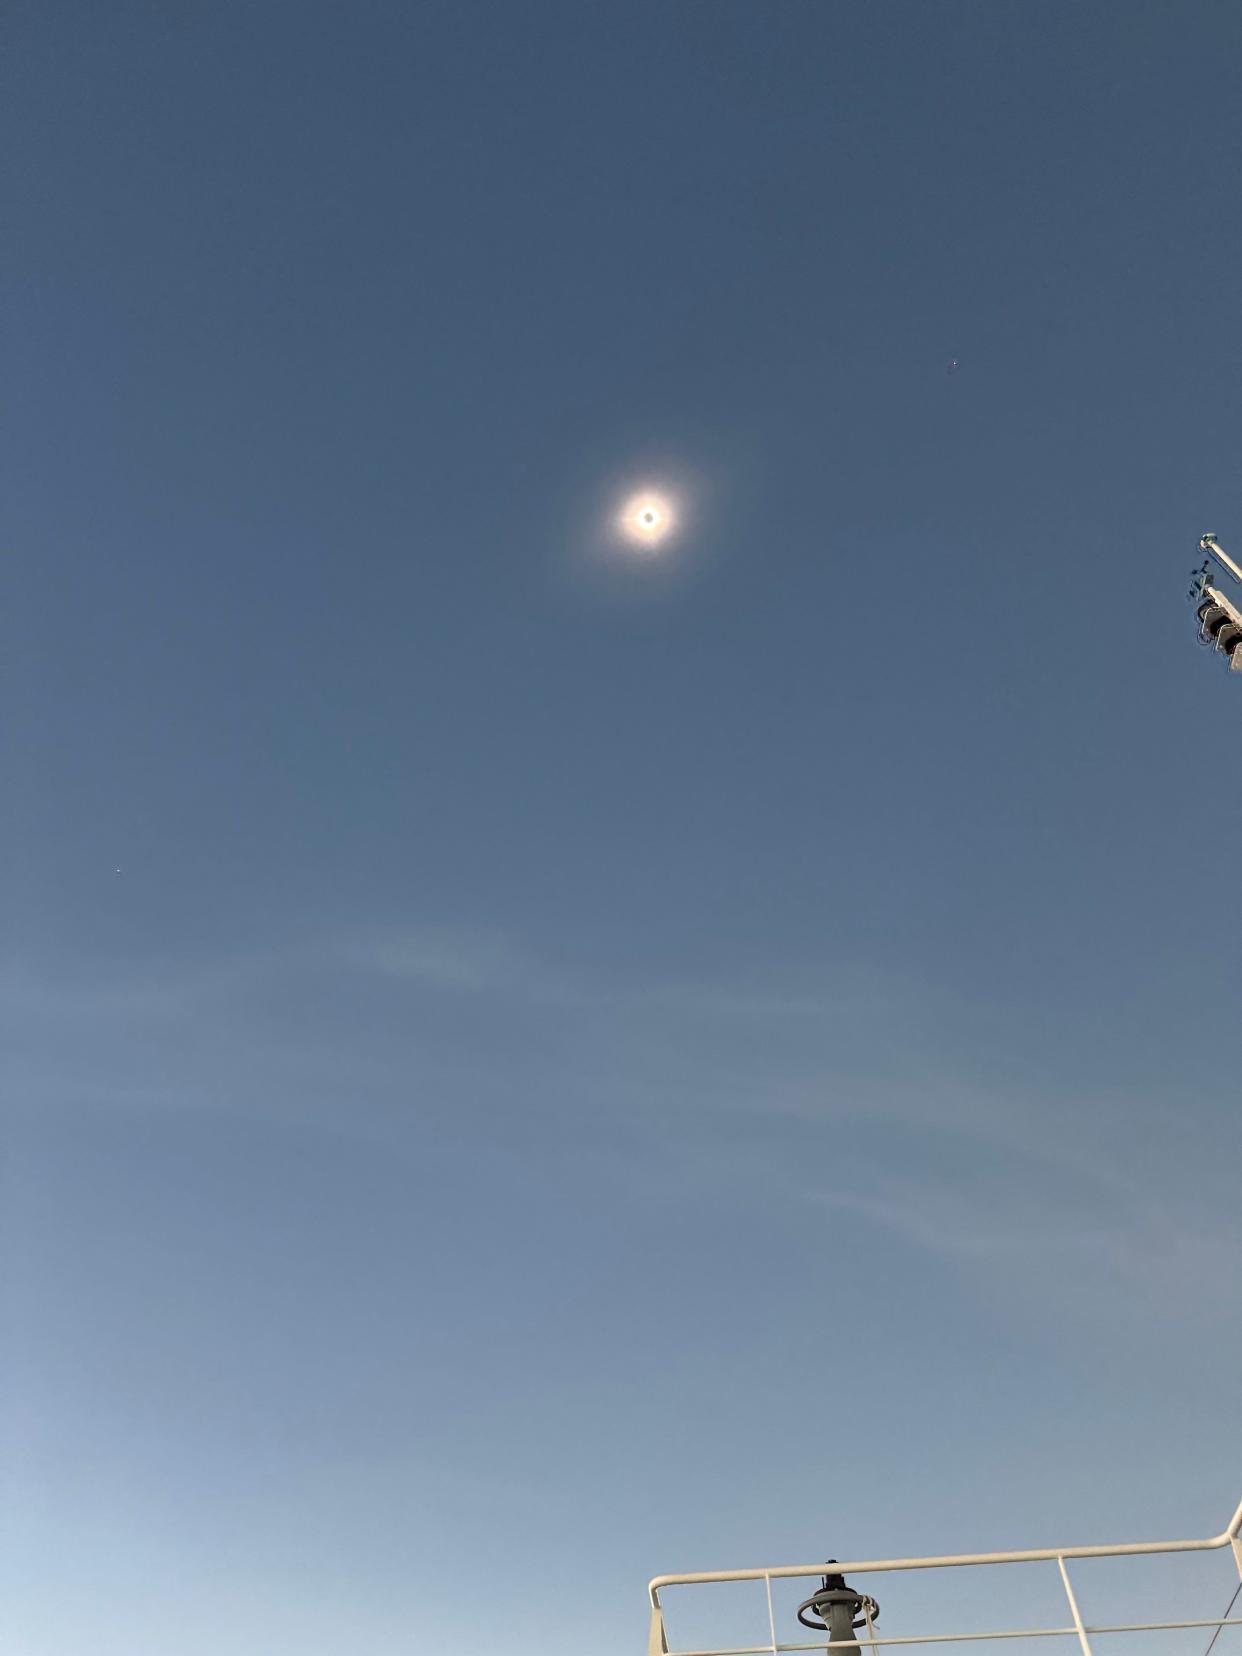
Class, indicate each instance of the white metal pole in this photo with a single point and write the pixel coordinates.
(1083, 1642)
(1213, 548)
(767, 1582)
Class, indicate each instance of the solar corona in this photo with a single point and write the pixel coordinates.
(647, 520)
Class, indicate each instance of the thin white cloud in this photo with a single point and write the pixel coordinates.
(1174, 1256)
(1053, 1188)
(467, 962)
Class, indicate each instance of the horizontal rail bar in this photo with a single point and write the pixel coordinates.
(962, 1638)
(930, 1638)
(949, 1561)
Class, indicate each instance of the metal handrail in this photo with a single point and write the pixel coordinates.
(1230, 1536)
(962, 1638)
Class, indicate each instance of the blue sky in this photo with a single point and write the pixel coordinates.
(591, 1067)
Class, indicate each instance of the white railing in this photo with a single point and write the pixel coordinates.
(868, 1639)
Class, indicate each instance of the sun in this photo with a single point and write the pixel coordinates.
(647, 520)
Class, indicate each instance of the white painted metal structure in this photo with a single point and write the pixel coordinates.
(1213, 548)
(1220, 620)
(868, 1639)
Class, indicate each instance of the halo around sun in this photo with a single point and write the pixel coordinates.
(647, 519)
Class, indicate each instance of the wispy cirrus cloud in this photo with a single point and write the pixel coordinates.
(458, 961)
(752, 1083)
(465, 962)
(1081, 1245)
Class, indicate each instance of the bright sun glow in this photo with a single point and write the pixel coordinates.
(647, 519)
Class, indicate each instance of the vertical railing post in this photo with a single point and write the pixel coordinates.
(875, 1644)
(1084, 1643)
(657, 1644)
